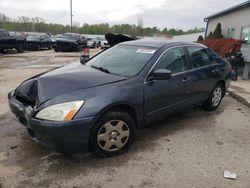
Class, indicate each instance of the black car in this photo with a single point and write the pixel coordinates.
(98, 105)
(70, 42)
(11, 42)
(37, 41)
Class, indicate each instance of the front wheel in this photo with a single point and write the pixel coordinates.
(38, 48)
(20, 49)
(113, 134)
(215, 98)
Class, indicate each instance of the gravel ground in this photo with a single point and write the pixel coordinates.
(190, 149)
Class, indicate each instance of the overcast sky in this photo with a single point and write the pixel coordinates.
(183, 14)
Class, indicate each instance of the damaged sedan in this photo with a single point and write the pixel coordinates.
(98, 105)
(70, 42)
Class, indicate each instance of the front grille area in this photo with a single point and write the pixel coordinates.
(65, 44)
(25, 101)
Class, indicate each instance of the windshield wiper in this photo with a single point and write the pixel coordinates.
(101, 69)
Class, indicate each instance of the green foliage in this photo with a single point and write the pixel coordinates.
(200, 38)
(210, 36)
(38, 24)
(218, 32)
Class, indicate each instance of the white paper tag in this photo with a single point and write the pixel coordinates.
(145, 51)
(230, 175)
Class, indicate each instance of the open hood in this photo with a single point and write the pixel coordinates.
(114, 38)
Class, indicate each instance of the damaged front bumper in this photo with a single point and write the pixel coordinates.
(71, 136)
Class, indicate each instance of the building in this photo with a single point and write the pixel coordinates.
(235, 21)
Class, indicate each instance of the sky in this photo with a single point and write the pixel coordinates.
(182, 14)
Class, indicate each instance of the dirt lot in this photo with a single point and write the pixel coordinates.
(191, 149)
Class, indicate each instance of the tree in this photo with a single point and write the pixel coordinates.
(200, 38)
(38, 24)
(211, 35)
(218, 32)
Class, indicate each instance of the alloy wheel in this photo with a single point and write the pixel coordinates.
(217, 94)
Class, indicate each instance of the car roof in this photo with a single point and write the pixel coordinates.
(158, 43)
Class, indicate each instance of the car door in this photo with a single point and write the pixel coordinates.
(42, 41)
(203, 72)
(163, 97)
(47, 41)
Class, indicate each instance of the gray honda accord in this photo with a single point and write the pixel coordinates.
(97, 106)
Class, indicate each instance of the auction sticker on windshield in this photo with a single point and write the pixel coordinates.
(145, 51)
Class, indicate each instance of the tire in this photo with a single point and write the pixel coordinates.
(113, 134)
(20, 49)
(215, 97)
(38, 48)
(56, 49)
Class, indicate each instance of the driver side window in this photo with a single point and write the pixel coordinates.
(173, 60)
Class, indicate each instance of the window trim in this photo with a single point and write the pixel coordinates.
(241, 29)
(231, 29)
(170, 48)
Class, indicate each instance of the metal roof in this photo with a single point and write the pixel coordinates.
(229, 10)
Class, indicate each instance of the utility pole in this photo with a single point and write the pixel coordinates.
(71, 15)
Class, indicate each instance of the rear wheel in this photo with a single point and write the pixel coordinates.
(215, 97)
(113, 134)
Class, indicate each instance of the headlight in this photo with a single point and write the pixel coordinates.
(60, 112)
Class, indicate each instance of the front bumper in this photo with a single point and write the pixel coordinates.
(67, 46)
(71, 136)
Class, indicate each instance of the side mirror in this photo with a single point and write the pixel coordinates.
(161, 74)
(84, 59)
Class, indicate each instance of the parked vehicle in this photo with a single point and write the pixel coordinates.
(38, 41)
(18, 35)
(70, 42)
(98, 105)
(53, 39)
(92, 43)
(11, 42)
(104, 44)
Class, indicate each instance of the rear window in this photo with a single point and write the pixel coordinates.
(199, 57)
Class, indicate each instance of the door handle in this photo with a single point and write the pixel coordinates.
(185, 80)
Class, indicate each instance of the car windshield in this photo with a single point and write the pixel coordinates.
(69, 36)
(122, 60)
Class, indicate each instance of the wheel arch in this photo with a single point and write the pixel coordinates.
(223, 83)
(118, 106)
